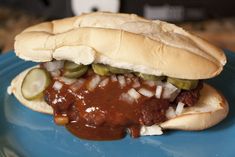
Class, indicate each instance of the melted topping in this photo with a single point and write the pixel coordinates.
(101, 113)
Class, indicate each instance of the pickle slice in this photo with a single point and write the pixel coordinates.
(149, 77)
(100, 69)
(182, 83)
(78, 73)
(71, 66)
(34, 83)
(115, 70)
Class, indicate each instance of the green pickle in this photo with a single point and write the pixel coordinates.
(101, 69)
(183, 83)
(34, 83)
(150, 77)
(76, 74)
(71, 66)
(115, 70)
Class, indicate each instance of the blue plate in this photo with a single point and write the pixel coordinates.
(30, 134)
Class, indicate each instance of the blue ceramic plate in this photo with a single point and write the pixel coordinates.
(30, 134)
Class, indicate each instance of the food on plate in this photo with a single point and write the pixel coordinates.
(103, 75)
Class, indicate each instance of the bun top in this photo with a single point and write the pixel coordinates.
(122, 40)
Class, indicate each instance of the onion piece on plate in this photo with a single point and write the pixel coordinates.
(150, 130)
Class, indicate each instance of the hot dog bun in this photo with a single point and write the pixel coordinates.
(124, 41)
(211, 108)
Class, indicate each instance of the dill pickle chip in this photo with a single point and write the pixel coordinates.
(115, 70)
(34, 83)
(101, 69)
(183, 83)
(150, 77)
(76, 74)
(71, 66)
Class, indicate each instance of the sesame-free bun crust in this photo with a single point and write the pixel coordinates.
(210, 109)
(122, 40)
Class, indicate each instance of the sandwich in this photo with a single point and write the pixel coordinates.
(105, 75)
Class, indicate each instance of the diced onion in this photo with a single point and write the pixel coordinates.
(133, 93)
(127, 98)
(104, 82)
(113, 78)
(78, 84)
(55, 73)
(57, 85)
(158, 92)
(9, 90)
(146, 92)
(128, 80)
(94, 83)
(174, 95)
(54, 65)
(67, 80)
(179, 108)
(129, 75)
(122, 81)
(170, 113)
(136, 83)
(169, 91)
(159, 83)
(150, 130)
(150, 83)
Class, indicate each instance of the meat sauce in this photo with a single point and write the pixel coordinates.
(189, 97)
(101, 114)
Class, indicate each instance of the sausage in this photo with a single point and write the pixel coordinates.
(189, 97)
(153, 111)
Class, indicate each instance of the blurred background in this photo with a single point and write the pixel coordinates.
(213, 20)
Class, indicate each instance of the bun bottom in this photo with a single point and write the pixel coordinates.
(210, 109)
